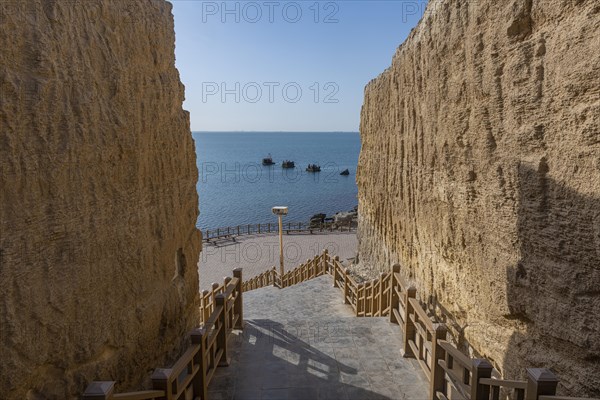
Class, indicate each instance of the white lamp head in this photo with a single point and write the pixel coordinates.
(280, 210)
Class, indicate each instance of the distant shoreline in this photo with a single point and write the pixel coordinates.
(276, 132)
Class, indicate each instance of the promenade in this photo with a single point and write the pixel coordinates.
(257, 253)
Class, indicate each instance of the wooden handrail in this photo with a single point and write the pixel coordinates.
(231, 287)
(184, 360)
(470, 379)
(456, 354)
(401, 282)
(504, 383)
(141, 395)
(424, 338)
(462, 387)
(423, 317)
(564, 398)
(193, 371)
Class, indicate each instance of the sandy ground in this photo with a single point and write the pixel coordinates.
(257, 253)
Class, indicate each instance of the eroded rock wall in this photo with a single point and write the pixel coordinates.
(99, 205)
(480, 173)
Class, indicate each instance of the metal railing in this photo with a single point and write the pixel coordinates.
(288, 227)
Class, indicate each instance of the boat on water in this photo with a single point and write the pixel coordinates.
(268, 160)
(288, 164)
(313, 168)
(345, 172)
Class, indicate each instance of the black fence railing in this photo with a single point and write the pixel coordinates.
(273, 227)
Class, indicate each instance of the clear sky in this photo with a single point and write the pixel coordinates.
(285, 65)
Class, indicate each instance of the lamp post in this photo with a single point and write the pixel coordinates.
(280, 212)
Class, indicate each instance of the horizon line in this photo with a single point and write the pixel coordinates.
(202, 131)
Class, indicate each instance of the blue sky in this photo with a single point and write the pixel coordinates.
(284, 65)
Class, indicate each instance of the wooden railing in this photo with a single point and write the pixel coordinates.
(312, 268)
(288, 227)
(189, 377)
(368, 299)
(451, 374)
(267, 278)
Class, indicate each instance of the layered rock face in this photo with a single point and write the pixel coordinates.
(98, 198)
(480, 173)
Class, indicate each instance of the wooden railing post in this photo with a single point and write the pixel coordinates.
(304, 270)
(161, 381)
(540, 382)
(394, 301)
(409, 327)
(274, 278)
(324, 259)
(335, 274)
(238, 230)
(238, 305)
(102, 390)
(372, 303)
(222, 335)
(200, 385)
(360, 293)
(480, 368)
(204, 305)
(381, 287)
(438, 374)
(258, 228)
(346, 286)
(214, 287)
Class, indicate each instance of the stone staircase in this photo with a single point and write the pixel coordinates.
(302, 342)
(294, 337)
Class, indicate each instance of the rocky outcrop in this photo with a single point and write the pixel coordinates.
(480, 173)
(98, 196)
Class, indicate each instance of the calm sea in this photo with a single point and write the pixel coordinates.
(235, 188)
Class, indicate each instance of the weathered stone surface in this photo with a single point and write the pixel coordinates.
(98, 204)
(480, 173)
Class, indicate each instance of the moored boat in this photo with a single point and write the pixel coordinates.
(268, 160)
(313, 168)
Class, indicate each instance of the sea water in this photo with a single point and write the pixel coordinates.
(236, 189)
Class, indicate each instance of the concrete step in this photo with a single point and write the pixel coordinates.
(302, 342)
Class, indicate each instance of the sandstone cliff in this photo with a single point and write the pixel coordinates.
(480, 173)
(98, 199)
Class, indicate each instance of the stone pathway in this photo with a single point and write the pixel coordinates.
(303, 343)
(258, 253)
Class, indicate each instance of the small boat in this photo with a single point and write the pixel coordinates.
(288, 164)
(313, 168)
(268, 160)
(345, 172)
